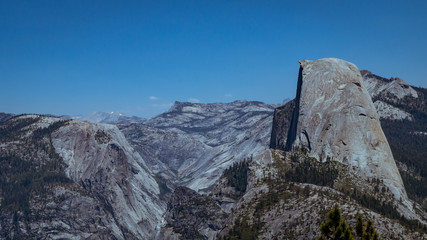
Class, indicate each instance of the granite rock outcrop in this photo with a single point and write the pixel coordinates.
(335, 118)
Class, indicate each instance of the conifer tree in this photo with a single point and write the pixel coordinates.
(370, 233)
(359, 226)
(335, 228)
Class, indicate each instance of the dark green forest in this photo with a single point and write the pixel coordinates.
(312, 171)
(237, 175)
(408, 142)
(23, 176)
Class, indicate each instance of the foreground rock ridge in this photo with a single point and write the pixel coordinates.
(334, 118)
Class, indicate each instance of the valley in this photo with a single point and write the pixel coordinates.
(238, 170)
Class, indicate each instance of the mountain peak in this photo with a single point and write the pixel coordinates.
(394, 87)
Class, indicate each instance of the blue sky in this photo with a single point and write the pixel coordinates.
(138, 57)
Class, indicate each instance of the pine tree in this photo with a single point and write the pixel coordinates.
(370, 233)
(367, 233)
(335, 228)
(359, 226)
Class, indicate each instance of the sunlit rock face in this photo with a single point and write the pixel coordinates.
(335, 118)
(101, 160)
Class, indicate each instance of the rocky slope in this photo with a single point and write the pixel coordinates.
(202, 220)
(409, 143)
(403, 112)
(287, 196)
(394, 89)
(388, 111)
(97, 156)
(168, 154)
(38, 200)
(95, 184)
(193, 143)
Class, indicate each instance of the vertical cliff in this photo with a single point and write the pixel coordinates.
(281, 122)
(334, 118)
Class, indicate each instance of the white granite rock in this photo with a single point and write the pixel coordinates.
(336, 119)
(387, 111)
(99, 157)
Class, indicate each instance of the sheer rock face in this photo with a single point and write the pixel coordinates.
(281, 122)
(335, 118)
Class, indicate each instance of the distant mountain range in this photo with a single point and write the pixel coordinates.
(109, 118)
(215, 171)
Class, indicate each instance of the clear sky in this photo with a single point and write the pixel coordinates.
(138, 57)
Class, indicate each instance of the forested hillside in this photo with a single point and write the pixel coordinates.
(408, 142)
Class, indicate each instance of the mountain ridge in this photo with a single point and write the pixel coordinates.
(140, 164)
(104, 117)
(223, 133)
